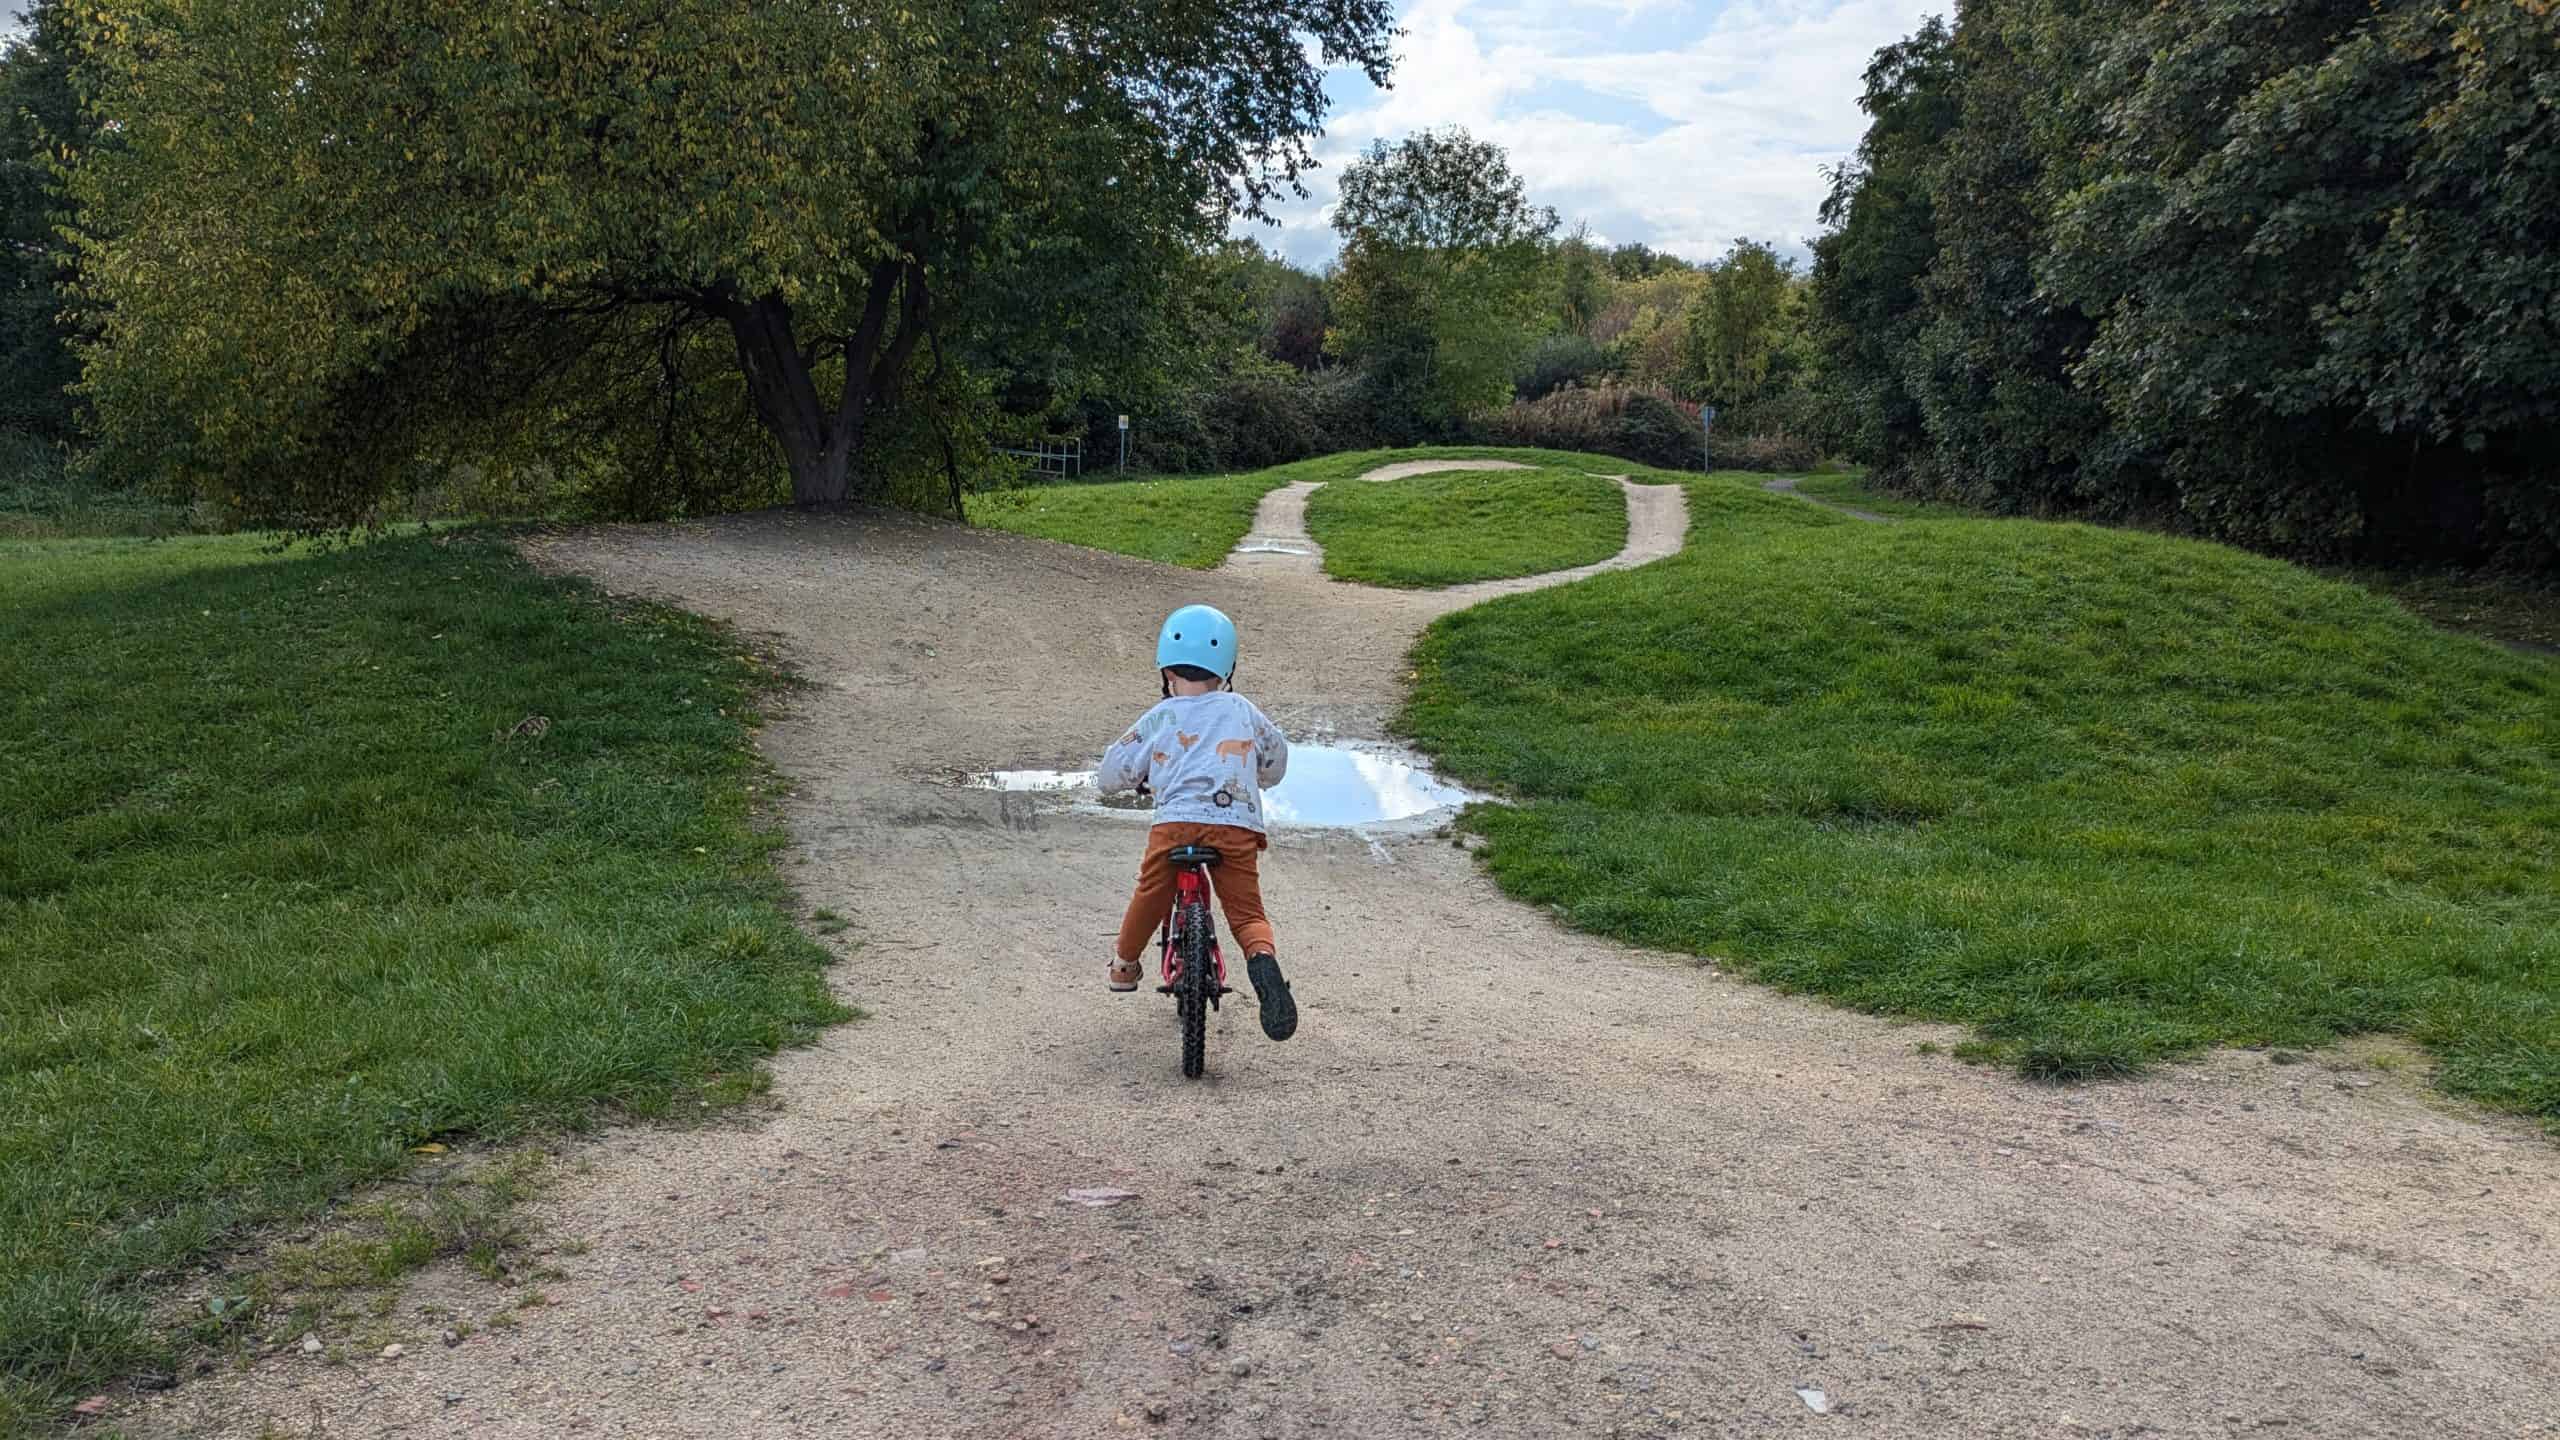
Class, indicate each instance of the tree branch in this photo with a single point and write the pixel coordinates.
(911, 328)
(866, 338)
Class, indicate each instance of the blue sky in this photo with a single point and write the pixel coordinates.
(1680, 123)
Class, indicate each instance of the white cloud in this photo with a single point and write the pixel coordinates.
(1677, 123)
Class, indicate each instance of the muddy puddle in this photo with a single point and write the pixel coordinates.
(1327, 785)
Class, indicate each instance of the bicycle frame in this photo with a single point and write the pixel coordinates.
(1191, 885)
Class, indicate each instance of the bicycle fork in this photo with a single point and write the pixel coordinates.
(1189, 888)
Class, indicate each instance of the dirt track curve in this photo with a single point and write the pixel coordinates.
(1507, 1181)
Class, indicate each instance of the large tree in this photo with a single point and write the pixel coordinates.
(334, 238)
(1289, 306)
(1990, 367)
(2286, 271)
(1445, 280)
(1735, 329)
(1880, 235)
(2323, 247)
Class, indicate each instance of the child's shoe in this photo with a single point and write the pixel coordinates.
(1279, 1012)
(1124, 974)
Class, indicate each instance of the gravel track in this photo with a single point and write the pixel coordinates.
(1508, 1180)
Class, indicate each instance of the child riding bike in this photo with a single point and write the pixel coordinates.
(1207, 753)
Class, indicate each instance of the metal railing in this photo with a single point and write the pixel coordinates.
(1052, 457)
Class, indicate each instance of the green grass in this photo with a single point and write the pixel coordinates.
(1465, 525)
(2105, 796)
(1852, 489)
(1190, 520)
(2517, 610)
(280, 899)
(1195, 520)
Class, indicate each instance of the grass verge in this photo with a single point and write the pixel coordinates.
(2105, 796)
(1466, 525)
(1852, 489)
(2516, 610)
(1195, 520)
(1188, 520)
(313, 858)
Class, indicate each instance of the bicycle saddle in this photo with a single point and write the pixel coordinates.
(1182, 855)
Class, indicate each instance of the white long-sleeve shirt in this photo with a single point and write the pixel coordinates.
(1208, 759)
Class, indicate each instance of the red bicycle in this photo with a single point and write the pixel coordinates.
(1195, 974)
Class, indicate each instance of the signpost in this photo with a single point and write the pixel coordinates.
(1706, 436)
(1124, 444)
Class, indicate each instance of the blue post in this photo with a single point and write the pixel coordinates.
(1706, 437)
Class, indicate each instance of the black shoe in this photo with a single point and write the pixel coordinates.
(1279, 1012)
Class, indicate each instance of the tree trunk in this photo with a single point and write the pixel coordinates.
(818, 440)
(787, 402)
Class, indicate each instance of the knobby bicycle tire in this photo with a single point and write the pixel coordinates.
(1191, 995)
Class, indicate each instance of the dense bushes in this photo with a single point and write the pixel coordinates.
(1258, 415)
(2289, 274)
(1558, 361)
(1777, 454)
(39, 109)
(1259, 418)
(43, 497)
(1646, 426)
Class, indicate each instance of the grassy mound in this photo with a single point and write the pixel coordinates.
(289, 884)
(2105, 796)
(1463, 525)
(1190, 520)
(1195, 520)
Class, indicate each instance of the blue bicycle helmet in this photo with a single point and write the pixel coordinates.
(1198, 635)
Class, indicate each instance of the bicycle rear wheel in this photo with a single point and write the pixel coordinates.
(1192, 936)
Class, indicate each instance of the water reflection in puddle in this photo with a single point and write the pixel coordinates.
(1327, 785)
(1031, 780)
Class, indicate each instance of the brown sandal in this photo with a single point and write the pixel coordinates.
(1124, 974)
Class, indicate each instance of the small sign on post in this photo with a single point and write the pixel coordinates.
(1706, 437)
(1124, 444)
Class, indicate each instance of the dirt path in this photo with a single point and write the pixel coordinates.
(1786, 485)
(1507, 1181)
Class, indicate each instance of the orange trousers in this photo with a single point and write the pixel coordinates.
(1237, 879)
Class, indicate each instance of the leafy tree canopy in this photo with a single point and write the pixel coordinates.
(1734, 328)
(2289, 272)
(330, 240)
(1444, 282)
